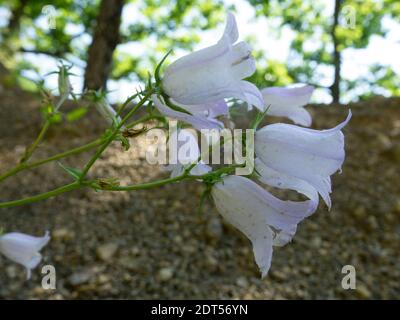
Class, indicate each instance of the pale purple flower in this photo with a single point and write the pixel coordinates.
(289, 102)
(23, 249)
(263, 218)
(200, 117)
(64, 86)
(184, 153)
(107, 111)
(301, 159)
(214, 73)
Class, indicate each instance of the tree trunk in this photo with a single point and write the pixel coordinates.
(335, 88)
(16, 14)
(105, 39)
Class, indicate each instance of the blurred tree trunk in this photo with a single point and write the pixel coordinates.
(105, 39)
(335, 88)
(16, 14)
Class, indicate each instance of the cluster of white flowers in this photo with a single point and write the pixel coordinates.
(287, 156)
(194, 90)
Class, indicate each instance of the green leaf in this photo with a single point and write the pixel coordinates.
(73, 172)
(76, 114)
(174, 106)
(259, 117)
(55, 118)
(158, 68)
(124, 142)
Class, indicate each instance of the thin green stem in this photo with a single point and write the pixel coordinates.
(149, 185)
(12, 171)
(25, 166)
(34, 145)
(93, 144)
(42, 196)
(65, 154)
(112, 136)
(129, 100)
(143, 119)
(77, 185)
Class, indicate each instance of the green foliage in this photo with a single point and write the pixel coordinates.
(159, 29)
(312, 47)
(73, 172)
(160, 25)
(270, 72)
(76, 114)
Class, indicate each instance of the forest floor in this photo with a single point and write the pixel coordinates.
(154, 243)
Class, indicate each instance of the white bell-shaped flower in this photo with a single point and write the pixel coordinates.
(23, 249)
(263, 218)
(301, 159)
(289, 103)
(214, 73)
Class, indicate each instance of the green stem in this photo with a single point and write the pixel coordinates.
(95, 143)
(42, 196)
(77, 185)
(31, 149)
(143, 119)
(112, 136)
(25, 166)
(129, 100)
(142, 186)
(149, 185)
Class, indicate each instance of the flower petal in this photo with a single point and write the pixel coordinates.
(243, 63)
(231, 30)
(197, 121)
(249, 93)
(253, 211)
(297, 158)
(214, 73)
(210, 110)
(230, 36)
(283, 181)
(301, 152)
(262, 249)
(187, 153)
(289, 102)
(23, 249)
(283, 237)
(219, 108)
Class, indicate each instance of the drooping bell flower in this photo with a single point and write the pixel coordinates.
(263, 218)
(200, 117)
(23, 249)
(64, 85)
(214, 73)
(301, 159)
(289, 103)
(107, 111)
(184, 151)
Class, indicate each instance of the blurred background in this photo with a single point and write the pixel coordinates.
(153, 244)
(348, 49)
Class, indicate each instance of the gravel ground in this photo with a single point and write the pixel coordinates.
(154, 244)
